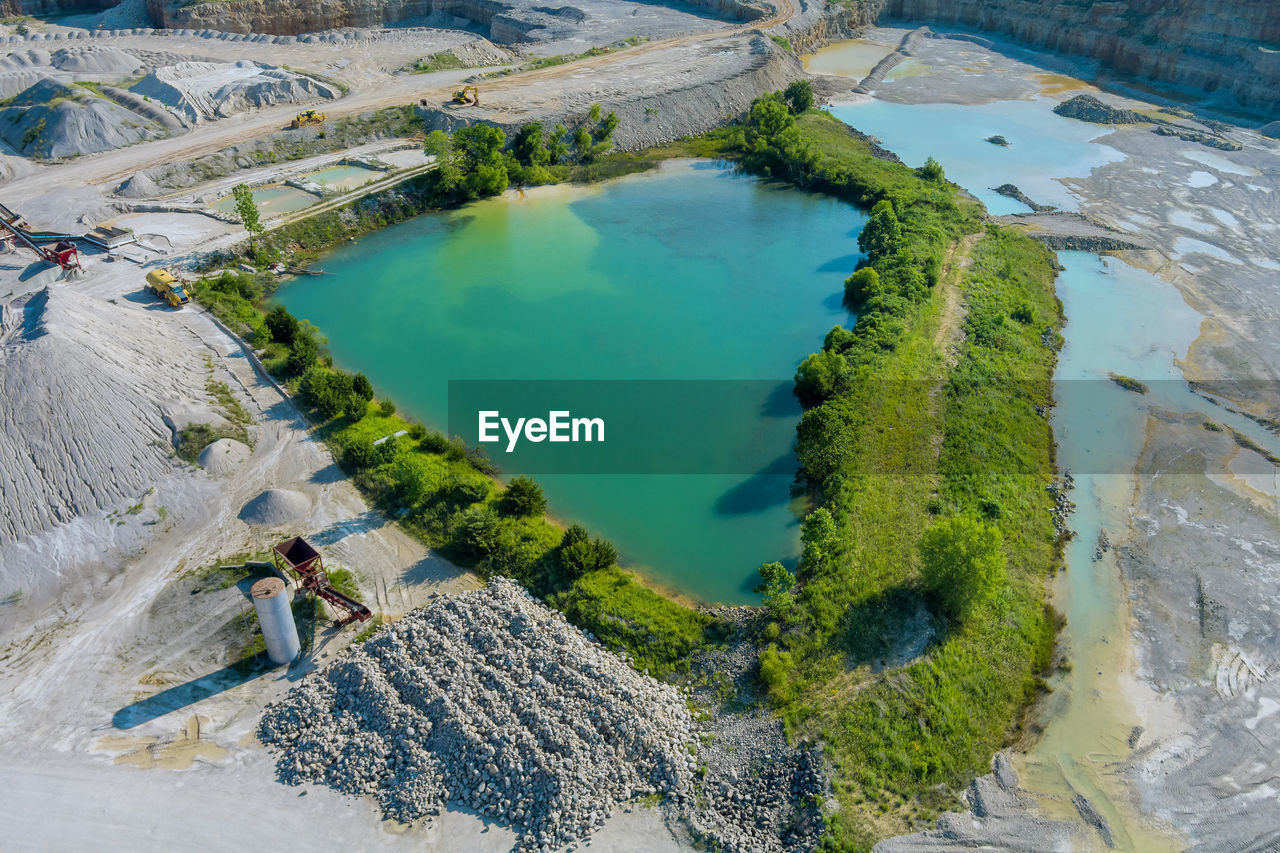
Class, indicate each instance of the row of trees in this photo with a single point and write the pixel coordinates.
(474, 161)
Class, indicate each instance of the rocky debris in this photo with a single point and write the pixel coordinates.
(1001, 816)
(758, 793)
(1094, 818)
(1271, 130)
(203, 91)
(276, 506)
(1103, 546)
(224, 456)
(1201, 138)
(1062, 505)
(1011, 191)
(1135, 735)
(491, 700)
(998, 140)
(1089, 108)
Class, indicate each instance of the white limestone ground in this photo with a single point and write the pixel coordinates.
(494, 701)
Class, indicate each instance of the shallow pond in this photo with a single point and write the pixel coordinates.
(693, 272)
(272, 200)
(343, 178)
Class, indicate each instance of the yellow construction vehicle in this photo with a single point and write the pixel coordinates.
(310, 117)
(162, 283)
(461, 96)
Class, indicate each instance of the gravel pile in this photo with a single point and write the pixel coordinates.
(275, 506)
(1089, 108)
(224, 456)
(493, 701)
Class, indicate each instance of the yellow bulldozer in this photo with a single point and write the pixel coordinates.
(307, 119)
(162, 283)
(461, 96)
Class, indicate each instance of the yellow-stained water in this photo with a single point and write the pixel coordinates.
(854, 58)
(1057, 84)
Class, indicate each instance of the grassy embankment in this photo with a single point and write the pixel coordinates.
(914, 423)
(907, 423)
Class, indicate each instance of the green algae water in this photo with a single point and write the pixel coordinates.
(692, 272)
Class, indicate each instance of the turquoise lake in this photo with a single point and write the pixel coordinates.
(692, 272)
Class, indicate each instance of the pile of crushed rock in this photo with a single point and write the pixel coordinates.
(1089, 108)
(491, 700)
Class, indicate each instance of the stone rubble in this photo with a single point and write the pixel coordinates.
(491, 700)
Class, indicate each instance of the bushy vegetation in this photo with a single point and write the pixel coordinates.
(897, 440)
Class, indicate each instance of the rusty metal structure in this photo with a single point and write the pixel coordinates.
(304, 564)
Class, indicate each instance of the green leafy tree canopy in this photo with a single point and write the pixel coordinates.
(962, 563)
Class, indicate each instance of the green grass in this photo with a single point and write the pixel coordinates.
(914, 436)
(444, 61)
(659, 634)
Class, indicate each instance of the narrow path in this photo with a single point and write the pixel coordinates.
(949, 333)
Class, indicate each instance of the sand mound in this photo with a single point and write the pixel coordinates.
(223, 456)
(1272, 130)
(202, 91)
(275, 506)
(95, 59)
(138, 186)
(81, 428)
(492, 700)
(50, 120)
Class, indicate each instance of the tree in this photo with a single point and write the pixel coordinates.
(302, 354)
(282, 325)
(359, 453)
(410, 479)
(768, 117)
(355, 407)
(247, 211)
(479, 143)
(962, 563)
(821, 540)
(777, 585)
(524, 497)
(448, 171)
(606, 126)
(882, 235)
(557, 147)
(799, 96)
(861, 286)
(582, 143)
(362, 386)
(479, 531)
(580, 555)
(594, 112)
(932, 171)
(820, 376)
(529, 147)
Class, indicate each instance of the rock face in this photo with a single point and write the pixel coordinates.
(1089, 108)
(1223, 50)
(491, 700)
(504, 22)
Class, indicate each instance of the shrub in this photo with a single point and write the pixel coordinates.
(359, 453)
(434, 442)
(777, 585)
(387, 408)
(861, 286)
(524, 497)
(580, 555)
(282, 324)
(477, 531)
(932, 171)
(355, 407)
(362, 386)
(302, 354)
(820, 377)
(799, 96)
(962, 563)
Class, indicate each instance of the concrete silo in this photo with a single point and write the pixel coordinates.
(276, 619)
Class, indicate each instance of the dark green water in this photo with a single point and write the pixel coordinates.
(689, 273)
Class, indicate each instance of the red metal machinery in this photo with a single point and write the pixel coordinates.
(304, 563)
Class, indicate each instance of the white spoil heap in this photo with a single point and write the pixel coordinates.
(494, 701)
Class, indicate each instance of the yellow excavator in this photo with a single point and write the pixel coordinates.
(461, 96)
(308, 118)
